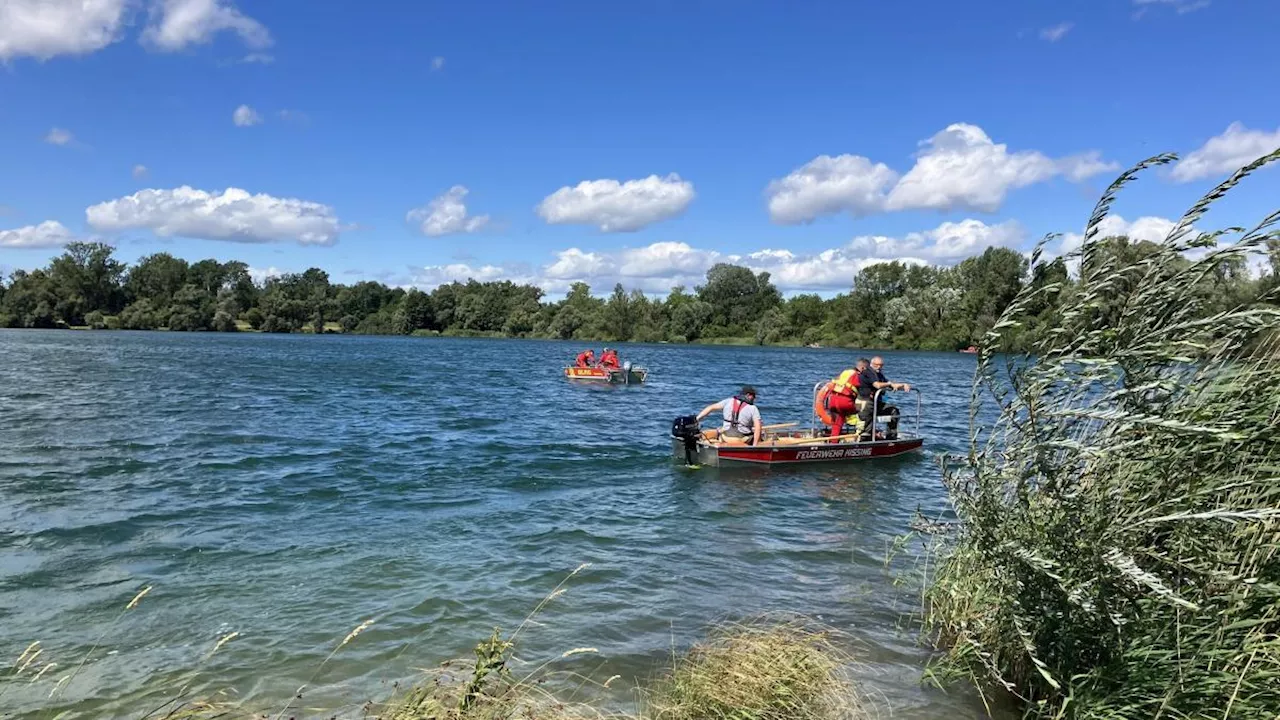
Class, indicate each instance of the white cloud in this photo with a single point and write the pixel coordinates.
(233, 215)
(660, 266)
(958, 168)
(447, 215)
(618, 207)
(1233, 149)
(245, 116)
(43, 29)
(832, 269)
(1181, 6)
(58, 136)
(961, 168)
(179, 24)
(828, 185)
(574, 263)
(1149, 228)
(258, 58)
(437, 62)
(47, 234)
(139, 172)
(947, 243)
(1057, 32)
(260, 275)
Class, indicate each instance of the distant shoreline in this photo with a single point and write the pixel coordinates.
(722, 342)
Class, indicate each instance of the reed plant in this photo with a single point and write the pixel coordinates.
(1117, 550)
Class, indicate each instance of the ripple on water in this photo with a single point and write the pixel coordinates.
(290, 488)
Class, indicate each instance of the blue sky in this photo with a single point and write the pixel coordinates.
(420, 142)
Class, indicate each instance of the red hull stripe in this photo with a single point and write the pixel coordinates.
(818, 453)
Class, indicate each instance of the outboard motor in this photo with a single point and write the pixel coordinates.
(688, 429)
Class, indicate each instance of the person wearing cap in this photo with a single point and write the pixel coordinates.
(742, 422)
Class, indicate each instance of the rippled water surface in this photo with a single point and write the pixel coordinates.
(289, 488)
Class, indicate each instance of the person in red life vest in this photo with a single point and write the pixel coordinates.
(843, 400)
(586, 358)
(609, 359)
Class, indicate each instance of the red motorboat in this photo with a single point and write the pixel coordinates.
(780, 446)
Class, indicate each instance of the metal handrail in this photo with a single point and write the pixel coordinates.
(875, 399)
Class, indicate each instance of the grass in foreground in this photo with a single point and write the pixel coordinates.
(767, 669)
(1118, 551)
(758, 672)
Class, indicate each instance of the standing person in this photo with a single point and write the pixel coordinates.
(741, 416)
(843, 400)
(586, 358)
(871, 380)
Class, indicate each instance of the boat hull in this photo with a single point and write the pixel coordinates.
(777, 454)
(613, 376)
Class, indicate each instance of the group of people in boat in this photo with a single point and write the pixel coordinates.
(852, 395)
(608, 359)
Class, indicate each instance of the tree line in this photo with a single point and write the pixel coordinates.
(890, 305)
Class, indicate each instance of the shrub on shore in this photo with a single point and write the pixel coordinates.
(781, 671)
(1118, 547)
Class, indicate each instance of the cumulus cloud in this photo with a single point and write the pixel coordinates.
(245, 116)
(447, 215)
(178, 24)
(47, 234)
(1057, 32)
(43, 29)
(139, 172)
(261, 275)
(660, 266)
(1233, 149)
(1149, 228)
(947, 243)
(959, 168)
(233, 215)
(614, 206)
(58, 136)
(827, 185)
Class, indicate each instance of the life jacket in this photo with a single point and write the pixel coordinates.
(584, 359)
(847, 383)
(736, 408)
(609, 359)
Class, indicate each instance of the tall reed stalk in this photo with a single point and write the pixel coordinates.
(1116, 551)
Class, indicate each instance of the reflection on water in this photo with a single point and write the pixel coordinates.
(289, 488)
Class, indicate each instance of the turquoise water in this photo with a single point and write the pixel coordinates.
(290, 488)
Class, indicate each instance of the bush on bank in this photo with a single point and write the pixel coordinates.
(1118, 547)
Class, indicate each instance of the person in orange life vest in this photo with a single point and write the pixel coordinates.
(586, 358)
(741, 417)
(609, 359)
(843, 400)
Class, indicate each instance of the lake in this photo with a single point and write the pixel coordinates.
(289, 488)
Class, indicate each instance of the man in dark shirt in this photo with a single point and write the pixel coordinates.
(871, 380)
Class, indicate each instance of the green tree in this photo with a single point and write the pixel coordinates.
(738, 297)
(86, 277)
(619, 315)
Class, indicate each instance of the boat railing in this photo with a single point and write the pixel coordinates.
(875, 418)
